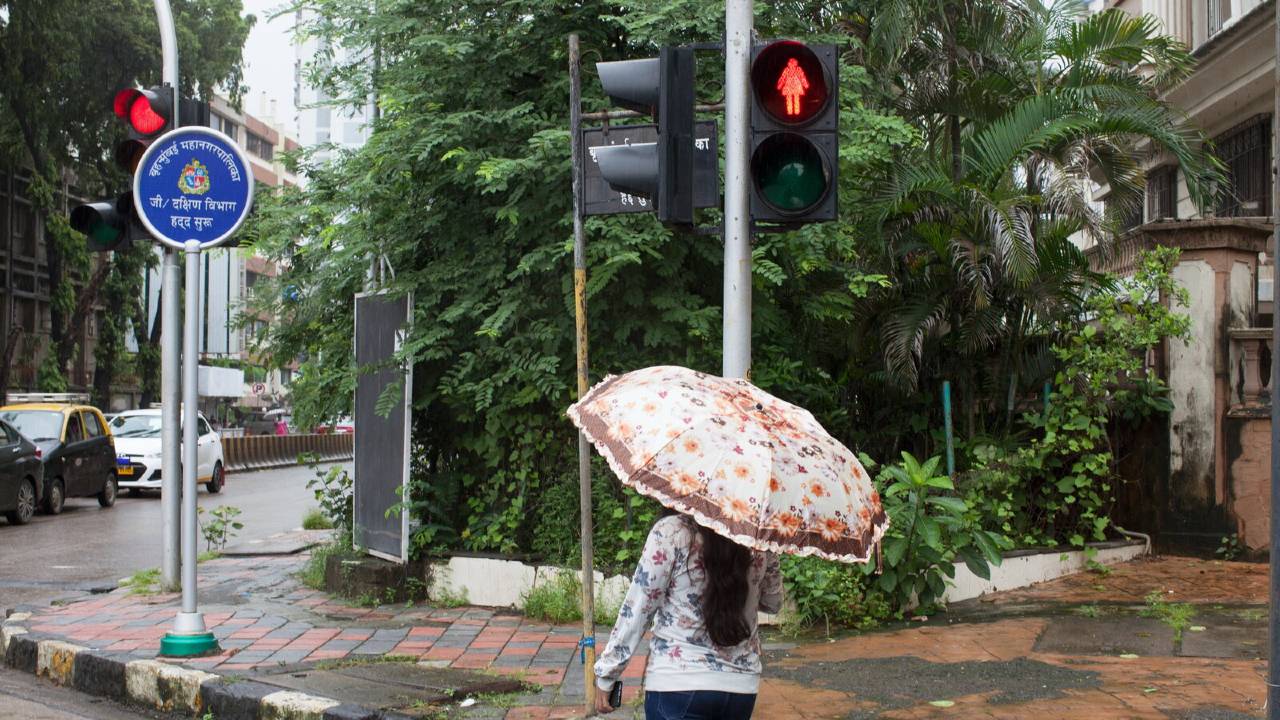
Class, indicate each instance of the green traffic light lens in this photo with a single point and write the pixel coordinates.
(103, 235)
(789, 173)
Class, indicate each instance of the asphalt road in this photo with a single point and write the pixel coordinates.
(88, 547)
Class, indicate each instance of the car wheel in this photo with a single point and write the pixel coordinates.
(21, 515)
(54, 499)
(215, 483)
(107, 497)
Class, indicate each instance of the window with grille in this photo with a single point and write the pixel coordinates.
(1162, 193)
(1246, 152)
(259, 146)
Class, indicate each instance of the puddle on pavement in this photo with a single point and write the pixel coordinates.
(904, 681)
(395, 685)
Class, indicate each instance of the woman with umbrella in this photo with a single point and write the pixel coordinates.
(746, 476)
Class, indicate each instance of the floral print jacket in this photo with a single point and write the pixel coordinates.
(667, 590)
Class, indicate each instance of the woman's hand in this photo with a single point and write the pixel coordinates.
(602, 701)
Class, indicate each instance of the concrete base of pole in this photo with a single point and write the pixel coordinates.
(174, 645)
(188, 623)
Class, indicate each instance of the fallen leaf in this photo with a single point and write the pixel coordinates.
(1149, 690)
(1129, 656)
(1196, 628)
(941, 703)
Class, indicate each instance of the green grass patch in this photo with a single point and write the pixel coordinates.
(143, 582)
(1175, 615)
(208, 555)
(316, 520)
(312, 574)
(559, 600)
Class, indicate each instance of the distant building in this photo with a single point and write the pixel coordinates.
(319, 121)
(1217, 477)
(228, 275)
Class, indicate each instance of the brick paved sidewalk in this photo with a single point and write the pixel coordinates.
(1076, 647)
(266, 620)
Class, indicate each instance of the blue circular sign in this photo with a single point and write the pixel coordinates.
(193, 183)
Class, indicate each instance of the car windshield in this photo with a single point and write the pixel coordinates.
(136, 426)
(37, 425)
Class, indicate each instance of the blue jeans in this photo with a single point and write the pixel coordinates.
(698, 705)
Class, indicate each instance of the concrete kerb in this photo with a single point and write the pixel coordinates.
(161, 685)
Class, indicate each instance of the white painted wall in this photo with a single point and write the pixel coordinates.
(504, 583)
(1192, 431)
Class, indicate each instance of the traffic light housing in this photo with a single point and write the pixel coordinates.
(109, 224)
(661, 171)
(106, 224)
(795, 144)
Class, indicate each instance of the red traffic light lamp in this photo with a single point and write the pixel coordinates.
(794, 145)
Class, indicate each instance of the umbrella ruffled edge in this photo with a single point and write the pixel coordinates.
(625, 477)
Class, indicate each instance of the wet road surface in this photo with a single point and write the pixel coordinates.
(88, 547)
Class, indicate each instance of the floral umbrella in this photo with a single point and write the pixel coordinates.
(759, 471)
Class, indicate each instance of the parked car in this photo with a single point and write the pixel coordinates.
(265, 423)
(21, 476)
(77, 450)
(137, 434)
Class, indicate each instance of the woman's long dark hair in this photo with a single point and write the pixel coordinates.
(724, 601)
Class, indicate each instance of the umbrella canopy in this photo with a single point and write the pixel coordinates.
(759, 471)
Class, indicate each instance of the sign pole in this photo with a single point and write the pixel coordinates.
(580, 317)
(192, 191)
(170, 278)
(189, 636)
(737, 210)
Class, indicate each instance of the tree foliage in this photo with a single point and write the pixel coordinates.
(61, 62)
(964, 126)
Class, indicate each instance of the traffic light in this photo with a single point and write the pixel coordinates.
(661, 171)
(105, 223)
(794, 142)
(108, 224)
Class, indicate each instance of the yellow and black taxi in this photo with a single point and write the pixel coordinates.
(73, 442)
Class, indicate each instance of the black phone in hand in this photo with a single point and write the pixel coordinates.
(615, 695)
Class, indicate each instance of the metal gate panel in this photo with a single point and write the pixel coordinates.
(381, 443)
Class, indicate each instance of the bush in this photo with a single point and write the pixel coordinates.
(316, 520)
(312, 573)
(333, 490)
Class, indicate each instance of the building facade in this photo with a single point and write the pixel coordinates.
(1217, 477)
(321, 124)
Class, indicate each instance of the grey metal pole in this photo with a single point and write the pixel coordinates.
(738, 16)
(190, 621)
(170, 344)
(1273, 664)
(170, 399)
(580, 317)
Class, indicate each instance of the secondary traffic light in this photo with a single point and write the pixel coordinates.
(661, 171)
(794, 142)
(108, 224)
(105, 223)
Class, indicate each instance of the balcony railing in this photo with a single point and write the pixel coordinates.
(1251, 376)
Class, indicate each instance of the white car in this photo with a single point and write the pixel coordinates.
(137, 435)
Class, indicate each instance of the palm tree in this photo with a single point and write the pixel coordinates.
(1019, 106)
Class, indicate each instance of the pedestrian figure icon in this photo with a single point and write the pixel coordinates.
(792, 83)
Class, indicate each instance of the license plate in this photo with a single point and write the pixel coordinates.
(124, 470)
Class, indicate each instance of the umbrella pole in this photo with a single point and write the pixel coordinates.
(588, 642)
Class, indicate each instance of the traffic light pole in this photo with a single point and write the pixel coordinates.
(738, 15)
(170, 344)
(580, 322)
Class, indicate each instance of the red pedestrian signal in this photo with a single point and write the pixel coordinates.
(795, 146)
(790, 82)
